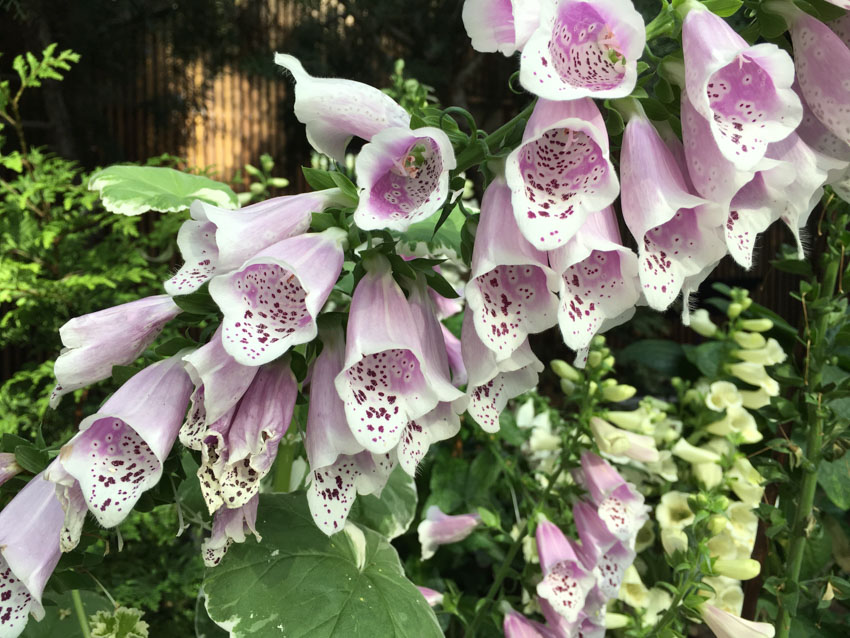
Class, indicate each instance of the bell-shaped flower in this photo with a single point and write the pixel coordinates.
(701, 323)
(511, 289)
(491, 384)
(583, 49)
(73, 504)
(271, 302)
(219, 384)
(112, 337)
(616, 442)
(515, 625)
(822, 61)
(673, 511)
(119, 451)
(390, 377)
(737, 421)
(754, 374)
(230, 526)
(8, 466)
(599, 280)
(618, 503)
(746, 482)
(743, 91)
(29, 551)
(334, 110)
(632, 590)
(678, 234)
(726, 625)
(722, 395)
(259, 422)
(340, 468)
(673, 540)
(727, 595)
(403, 177)
(217, 240)
(431, 596)
(500, 25)
(566, 580)
(770, 354)
(441, 529)
(561, 172)
(607, 555)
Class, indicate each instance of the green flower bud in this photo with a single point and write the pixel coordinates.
(567, 387)
(618, 393)
(702, 324)
(756, 325)
(565, 370)
(591, 388)
(717, 524)
(735, 309)
(749, 340)
(739, 569)
(594, 359)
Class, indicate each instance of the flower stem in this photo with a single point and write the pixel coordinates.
(662, 24)
(81, 613)
(474, 153)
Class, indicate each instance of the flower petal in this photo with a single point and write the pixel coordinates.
(230, 526)
(500, 25)
(196, 241)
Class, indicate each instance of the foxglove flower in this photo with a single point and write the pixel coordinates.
(431, 596)
(492, 384)
(334, 110)
(441, 529)
(219, 384)
(829, 147)
(112, 337)
(8, 466)
(518, 626)
(500, 25)
(216, 240)
(618, 503)
(566, 581)
(608, 556)
(260, 421)
(73, 504)
(678, 234)
(561, 172)
(599, 280)
(726, 625)
(29, 551)
(230, 526)
(271, 303)
(617, 442)
(336, 458)
(822, 60)
(119, 451)
(403, 177)
(743, 91)
(390, 378)
(583, 49)
(510, 290)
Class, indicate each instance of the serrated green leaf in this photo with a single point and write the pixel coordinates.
(302, 584)
(133, 190)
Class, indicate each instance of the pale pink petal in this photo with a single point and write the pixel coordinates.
(441, 529)
(230, 526)
(726, 625)
(500, 25)
(196, 241)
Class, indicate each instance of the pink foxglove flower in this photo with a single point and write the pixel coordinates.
(516, 625)
(619, 504)
(403, 177)
(119, 451)
(743, 91)
(112, 337)
(823, 72)
(726, 625)
(390, 377)
(73, 504)
(219, 384)
(259, 422)
(271, 303)
(216, 240)
(431, 596)
(441, 529)
(561, 172)
(510, 293)
(583, 49)
(599, 280)
(606, 555)
(566, 581)
(230, 526)
(823, 142)
(500, 25)
(8, 466)
(678, 234)
(491, 384)
(29, 551)
(334, 110)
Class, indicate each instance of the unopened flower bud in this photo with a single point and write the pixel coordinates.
(591, 388)
(717, 524)
(618, 393)
(702, 324)
(608, 361)
(594, 359)
(693, 454)
(749, 340)
(565, 370)
(734, 310)
(756, 325)
(709, 475)
(616, 621)
(567, 387)
(598, 341)
(829, 594)
(739, 569)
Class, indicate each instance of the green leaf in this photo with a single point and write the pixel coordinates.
(300, 583)
(393, 512)
(834, 478)
(133, 190)
(30, 458)
(447, 236)
(438, 282)
(59, 617)
(173, 346)
(197, 303)
(662, 355)
(708, 357)
(723, 8)
(345, 185)
(318, 179)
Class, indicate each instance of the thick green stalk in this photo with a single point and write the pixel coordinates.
(814, 445)
(81, 613)
(475, 155)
